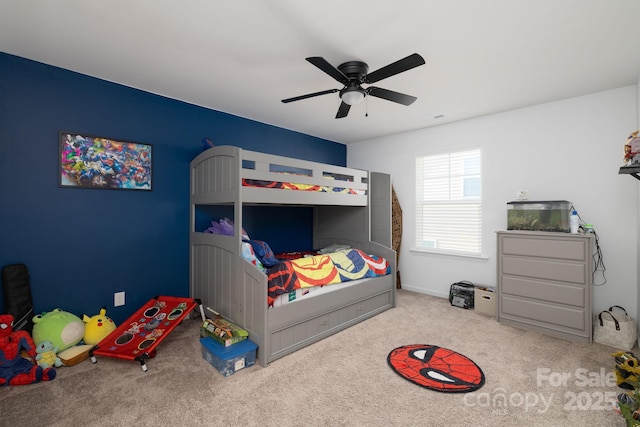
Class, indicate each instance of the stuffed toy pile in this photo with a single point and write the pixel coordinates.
(15, 369)
(62, 328)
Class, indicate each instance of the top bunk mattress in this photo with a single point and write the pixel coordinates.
(229, 174)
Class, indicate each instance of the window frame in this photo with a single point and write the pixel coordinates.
(460, 204)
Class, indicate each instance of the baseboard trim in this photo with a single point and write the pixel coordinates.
(424, 291)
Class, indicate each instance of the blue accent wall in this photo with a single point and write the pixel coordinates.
(82, 245)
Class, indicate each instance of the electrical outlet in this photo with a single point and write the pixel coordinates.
(118, 299)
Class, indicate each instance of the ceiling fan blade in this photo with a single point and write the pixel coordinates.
(390, 95)
(309, 95)
(397, 67)
(343, 110)
(322, 63)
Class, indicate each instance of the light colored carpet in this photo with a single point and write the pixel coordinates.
(344, 380)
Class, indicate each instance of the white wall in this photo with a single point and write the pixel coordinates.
(566, 150)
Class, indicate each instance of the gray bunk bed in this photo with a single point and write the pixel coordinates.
(228, 284)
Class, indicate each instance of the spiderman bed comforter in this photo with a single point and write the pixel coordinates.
(321, 270)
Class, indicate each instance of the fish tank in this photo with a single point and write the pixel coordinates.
(550, 215)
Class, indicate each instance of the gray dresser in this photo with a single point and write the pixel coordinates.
(544, 282)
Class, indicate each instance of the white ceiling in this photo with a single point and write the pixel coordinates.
(244, 56)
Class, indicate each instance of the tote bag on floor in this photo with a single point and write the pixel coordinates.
(615, 329)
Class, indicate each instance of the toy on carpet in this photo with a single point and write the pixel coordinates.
(15, 369)
(74, 355)
(626, 404)
(627, 370)
(62, 328)
(138, 336)
(97, 327)
(46, 355)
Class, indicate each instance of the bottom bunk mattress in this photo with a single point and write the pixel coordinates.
(138, 336)
(302, 294)
(293, 279)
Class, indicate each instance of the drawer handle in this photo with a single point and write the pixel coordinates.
(360, 308)
(323, 322)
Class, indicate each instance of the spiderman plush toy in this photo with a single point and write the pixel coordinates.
(15, 369)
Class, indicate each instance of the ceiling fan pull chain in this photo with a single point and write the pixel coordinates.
(366, 107)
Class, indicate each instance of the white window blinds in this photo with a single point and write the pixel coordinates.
(449, 203)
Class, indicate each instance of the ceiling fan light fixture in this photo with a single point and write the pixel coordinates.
(352, 95)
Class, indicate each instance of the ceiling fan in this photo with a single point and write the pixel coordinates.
(354, 74)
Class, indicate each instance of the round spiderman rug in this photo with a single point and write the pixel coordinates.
(436, 368)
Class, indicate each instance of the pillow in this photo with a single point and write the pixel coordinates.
(249, 255)
(333, 248)
(263, 252)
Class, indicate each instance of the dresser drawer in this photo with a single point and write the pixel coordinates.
(300, 334)
(569, 249)
(541, 268)
(560, 293)
(543, 314)
(294, 335)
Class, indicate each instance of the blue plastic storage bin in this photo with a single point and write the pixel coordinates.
(228, 360)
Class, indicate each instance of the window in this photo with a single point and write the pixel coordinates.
(449, 203)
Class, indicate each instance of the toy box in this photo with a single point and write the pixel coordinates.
(485, 301)
(539, 216)
(223, 331)
(228, 360)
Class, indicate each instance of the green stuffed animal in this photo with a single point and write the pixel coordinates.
(46, 355)
(62, 328)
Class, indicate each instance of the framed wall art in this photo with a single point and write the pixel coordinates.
(97, 162)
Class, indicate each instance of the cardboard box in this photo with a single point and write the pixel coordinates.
(486, 301)
(222, 330)
(228, 360)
